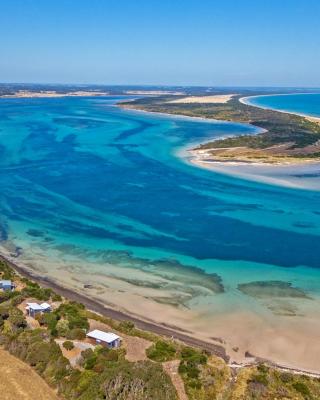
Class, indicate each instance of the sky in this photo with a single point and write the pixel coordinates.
(161, 42)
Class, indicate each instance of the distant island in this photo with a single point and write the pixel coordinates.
(52, 93)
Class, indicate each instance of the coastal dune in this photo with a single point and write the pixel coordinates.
(216, 99)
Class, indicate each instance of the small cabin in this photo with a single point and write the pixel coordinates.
(34, 308)
(106, 339)
(6, 285)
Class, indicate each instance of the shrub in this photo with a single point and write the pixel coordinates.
(89, 359)
(286, 377)
(161, 351)
(62, 327)
(4, 311)
(126, 326)
(74, 313)
(32, 289)
(18, 299)
(50, 320)
(68, 345)
(56, 297)
(301, 388)
(259, 378)
(193, 355)
(112, 355)
(76, 334)
(17, 319)
(263, 369)
(6, 271)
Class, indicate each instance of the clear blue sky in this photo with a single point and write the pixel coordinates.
(183, 42)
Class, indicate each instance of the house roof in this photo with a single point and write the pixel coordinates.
(45, 306)
(107, 337)
(5, 282)
(35, 306)
(39, 307)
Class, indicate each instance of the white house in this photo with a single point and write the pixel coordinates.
(107, 339)
(6, 284)
(35, 308)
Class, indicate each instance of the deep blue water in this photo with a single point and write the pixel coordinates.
(121, 164)
(86, 183)
(308, 104)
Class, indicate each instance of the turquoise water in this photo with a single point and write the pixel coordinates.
(118, 172)
(308, 104)
(92, 190)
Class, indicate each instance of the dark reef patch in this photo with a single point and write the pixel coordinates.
(35, 233)
(271, 289)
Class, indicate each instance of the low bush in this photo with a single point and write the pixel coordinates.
(162, 351)
(68, 345)
(302, 388)
(76, 334)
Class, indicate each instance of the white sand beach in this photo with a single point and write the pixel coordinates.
(300, 175)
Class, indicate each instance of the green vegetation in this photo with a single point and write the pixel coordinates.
(267, 383)
(120, 380)
(295, 132)
(68, 345)
(162, 351)
(34, 290)
(126, 327)
(5, 271)
(104, 373)
(69, 320)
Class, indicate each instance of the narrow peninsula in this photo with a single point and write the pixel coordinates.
(283, 138)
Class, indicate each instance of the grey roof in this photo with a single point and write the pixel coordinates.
(5, 282)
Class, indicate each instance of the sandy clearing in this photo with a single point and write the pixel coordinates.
(220, 98)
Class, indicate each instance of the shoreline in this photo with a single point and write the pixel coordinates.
(240, 169)
(180, 116)
(152, 327)
(221, 166)
(245, 100)
(83, 298)
(96, 306)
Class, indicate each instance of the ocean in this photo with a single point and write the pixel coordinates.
(303, 103)
(91, 193)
